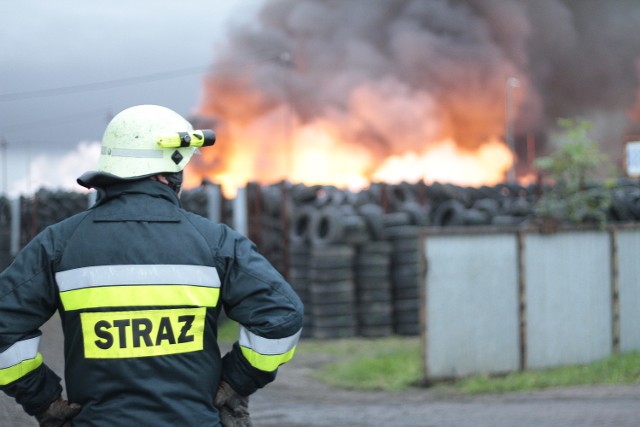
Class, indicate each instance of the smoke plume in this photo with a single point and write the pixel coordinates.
(390, 77)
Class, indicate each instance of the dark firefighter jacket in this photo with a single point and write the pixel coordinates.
(139, 284)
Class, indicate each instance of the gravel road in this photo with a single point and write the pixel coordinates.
(295, 399)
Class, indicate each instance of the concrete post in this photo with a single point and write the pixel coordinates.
(240, 215)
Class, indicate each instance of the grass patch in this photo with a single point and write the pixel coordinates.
(394, 363)
(388, 364)
(617, 369)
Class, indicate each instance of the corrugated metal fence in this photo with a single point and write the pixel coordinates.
(497, 301)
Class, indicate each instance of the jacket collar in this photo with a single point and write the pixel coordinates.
(143, 186)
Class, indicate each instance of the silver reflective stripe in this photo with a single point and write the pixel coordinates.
(144, 274)
(18, 352)
(132, 152)
(267, 346)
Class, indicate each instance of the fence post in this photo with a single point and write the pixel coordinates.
(522, 299)
(14, 246)
(615, 291)
(240, 212)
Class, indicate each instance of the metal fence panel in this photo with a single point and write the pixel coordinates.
(568, 294)
(629, 289)
(471, 304)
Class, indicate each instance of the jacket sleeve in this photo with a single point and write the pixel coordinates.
(27, 301)
(268, 311)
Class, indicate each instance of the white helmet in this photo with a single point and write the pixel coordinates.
(138, 143)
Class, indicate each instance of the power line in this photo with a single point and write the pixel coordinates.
(108, 84)
(72, 118)
(272, 55)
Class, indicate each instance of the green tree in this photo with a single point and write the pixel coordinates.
(576, 196)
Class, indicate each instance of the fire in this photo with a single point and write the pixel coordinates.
(314, 154)
(383, 132)
(446, 162)
(318, 158)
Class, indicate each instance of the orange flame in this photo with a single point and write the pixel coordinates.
(314, 156)
(445, 162)
(268, 145)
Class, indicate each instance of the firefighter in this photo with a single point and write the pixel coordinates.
(139, 284)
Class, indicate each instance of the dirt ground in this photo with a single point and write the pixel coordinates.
(296, 399)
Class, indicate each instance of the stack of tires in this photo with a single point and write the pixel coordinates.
(48, 207)
(299, 278)
(406, 272)
(274, 221)
(373, 289)
(331, 291)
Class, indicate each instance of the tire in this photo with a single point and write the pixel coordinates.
(331, 275)
(403, 293)
(345, 321)
(331, 310)
(406, 257)
(401, 232)
(400, 271)
(332, 251)
(449, 213)
(418, 214)
(375, 331)
(330, 263)
(508, 221)
(322, 332)
(408, 244)
(327, 228)
(373, 284)
(374, 248)
(300, 226)
(370, 296)
(372, 271)
(407, 329)
(373, 218)
(396, 219)
(476, 217)
(355, 229)
(325, 293)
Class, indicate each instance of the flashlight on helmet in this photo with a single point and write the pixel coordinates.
(196, 138)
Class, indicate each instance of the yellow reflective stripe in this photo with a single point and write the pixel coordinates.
(266, 362)
(267, 354)
(15, 372)
(140, 295)
(142, 333)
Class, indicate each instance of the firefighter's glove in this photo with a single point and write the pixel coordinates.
(58, 414)
(233, 408)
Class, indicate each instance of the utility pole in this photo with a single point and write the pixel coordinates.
(3, 146)
(511, 83)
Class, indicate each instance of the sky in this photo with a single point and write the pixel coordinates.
(66, 67)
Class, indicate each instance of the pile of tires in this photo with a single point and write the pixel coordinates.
(331, 291)
(353, 257)
(299, 278)
(48, 207)
(406, 273)
(196, 200)
(374, 306)
(625, 203)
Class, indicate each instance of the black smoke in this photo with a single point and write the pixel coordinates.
(400, 74)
